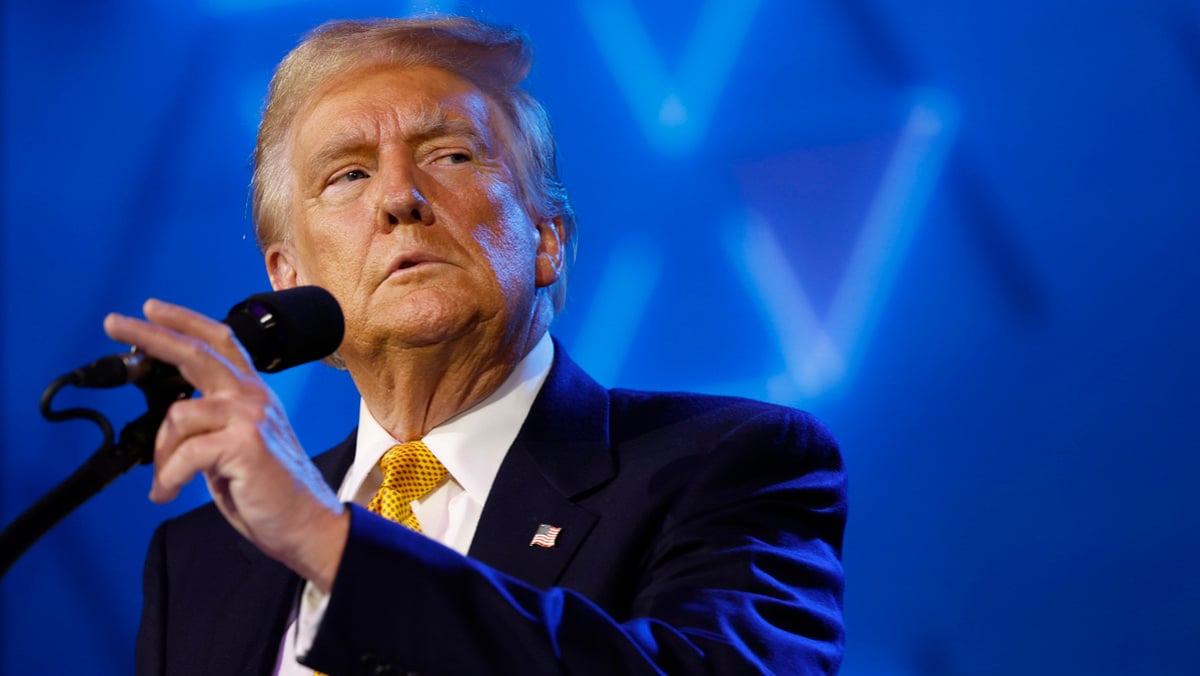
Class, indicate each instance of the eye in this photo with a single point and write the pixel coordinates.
(348, 176)
(454, 158)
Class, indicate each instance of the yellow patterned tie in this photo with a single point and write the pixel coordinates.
(410, 472)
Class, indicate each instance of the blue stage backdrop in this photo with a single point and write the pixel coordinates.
(963, 234)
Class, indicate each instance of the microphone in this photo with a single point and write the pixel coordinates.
(279, 330)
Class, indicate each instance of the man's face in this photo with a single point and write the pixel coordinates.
(405, 208)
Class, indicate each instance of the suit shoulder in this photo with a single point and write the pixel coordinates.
(638, 413)
(702, 454)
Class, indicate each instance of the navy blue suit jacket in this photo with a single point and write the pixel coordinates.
(699, 535)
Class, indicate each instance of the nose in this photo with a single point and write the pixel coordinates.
(402, 201)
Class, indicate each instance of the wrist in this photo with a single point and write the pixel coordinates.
(325, 545)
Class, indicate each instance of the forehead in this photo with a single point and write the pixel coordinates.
(389, 100)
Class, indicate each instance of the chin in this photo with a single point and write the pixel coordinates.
(429, 325)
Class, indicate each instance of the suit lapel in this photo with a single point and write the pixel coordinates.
(257, 610)
(335, 462)
(561, 452)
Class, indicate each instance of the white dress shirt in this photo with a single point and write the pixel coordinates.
(471, 445)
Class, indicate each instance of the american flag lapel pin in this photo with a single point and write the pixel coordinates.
(545, 536)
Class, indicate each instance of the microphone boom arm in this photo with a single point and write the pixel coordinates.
(162, 387)
(278, 329)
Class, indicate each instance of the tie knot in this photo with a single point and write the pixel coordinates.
(410, 472)
(412, 458)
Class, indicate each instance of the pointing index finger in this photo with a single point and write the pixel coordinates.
(204, 350)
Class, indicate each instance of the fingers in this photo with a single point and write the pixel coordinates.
(194, 437)
(204, 350)
(196, 434)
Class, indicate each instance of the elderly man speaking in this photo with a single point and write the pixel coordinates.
(495, 510)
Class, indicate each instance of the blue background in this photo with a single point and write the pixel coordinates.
(963, 234)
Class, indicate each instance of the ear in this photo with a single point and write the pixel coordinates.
(280, 259)
(550, 252)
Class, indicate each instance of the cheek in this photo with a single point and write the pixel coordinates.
(329, 255)
(509, 260)
(510, 242)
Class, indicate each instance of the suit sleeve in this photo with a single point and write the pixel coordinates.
(744, 576)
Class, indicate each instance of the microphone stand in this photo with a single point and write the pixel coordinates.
(162, 387)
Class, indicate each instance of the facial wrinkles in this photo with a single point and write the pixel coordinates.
(375, 129)
(364, 141)
(474, 106)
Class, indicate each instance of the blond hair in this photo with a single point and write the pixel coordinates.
(495, 59)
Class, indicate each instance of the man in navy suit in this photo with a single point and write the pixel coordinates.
(572, 529)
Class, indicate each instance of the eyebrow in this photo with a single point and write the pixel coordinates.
(334, 147)
(429, 124)
(433, 122)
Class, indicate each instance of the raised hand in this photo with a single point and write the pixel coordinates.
(237, 435)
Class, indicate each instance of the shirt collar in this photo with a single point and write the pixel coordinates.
(473, 443)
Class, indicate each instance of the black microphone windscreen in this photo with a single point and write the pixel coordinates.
(282, 329)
